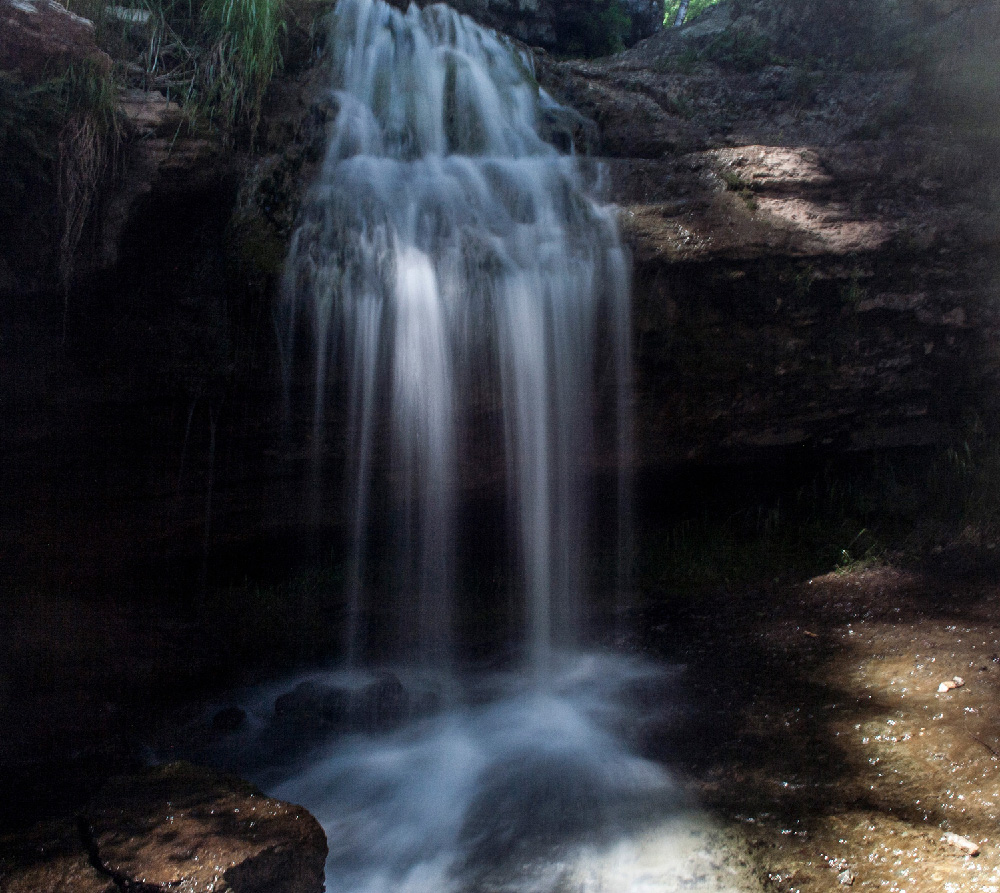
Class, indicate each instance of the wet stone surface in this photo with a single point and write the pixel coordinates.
(177, 827)
(831, 747)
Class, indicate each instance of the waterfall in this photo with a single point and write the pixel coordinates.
(468, 304)
(451, 266)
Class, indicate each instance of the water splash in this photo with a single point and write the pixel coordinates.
(507, 794)
(514, 788)
(447, 257)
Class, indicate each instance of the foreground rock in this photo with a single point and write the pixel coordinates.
(176, 828)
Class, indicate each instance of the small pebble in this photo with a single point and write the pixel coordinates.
(846, 877)
(963, 843)
(949, 684)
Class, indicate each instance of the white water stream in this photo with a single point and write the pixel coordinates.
(450, 262)
(514, 787)
(451, 266)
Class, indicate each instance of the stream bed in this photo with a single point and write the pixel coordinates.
(794, 727)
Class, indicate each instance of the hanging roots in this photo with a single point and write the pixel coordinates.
(83, 162)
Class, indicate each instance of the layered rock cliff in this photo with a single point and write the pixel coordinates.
(815, 238)
(814, 234)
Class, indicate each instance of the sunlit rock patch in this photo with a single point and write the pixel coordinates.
(174, 828)
(860, 773)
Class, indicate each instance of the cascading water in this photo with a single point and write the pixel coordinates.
(447, 256)
(453, 269)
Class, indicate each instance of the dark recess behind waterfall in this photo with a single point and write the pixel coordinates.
(112, 483)
(108, 457)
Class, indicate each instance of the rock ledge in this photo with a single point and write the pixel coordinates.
(177, 827)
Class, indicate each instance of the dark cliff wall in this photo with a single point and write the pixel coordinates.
(566, 27)
(815, 248)
(815, 239)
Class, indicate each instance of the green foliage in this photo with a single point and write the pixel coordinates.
(216, 57)
(32, 115)
(852, 292)
(844, 519)
(594, 28)
(965, 485)
(735, 48)
(812, 530)
(86, 89)
(735, 183)
(244, 37)
(695, 9)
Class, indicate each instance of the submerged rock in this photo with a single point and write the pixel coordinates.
(229, 719)
(313, 705)
(315, 708)
(382, 705)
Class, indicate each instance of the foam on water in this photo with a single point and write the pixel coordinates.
(514, 787)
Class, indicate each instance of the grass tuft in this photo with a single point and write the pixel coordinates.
(216, 57)
(910, 509)
(244, 40)
(59, 141)
(88, 149)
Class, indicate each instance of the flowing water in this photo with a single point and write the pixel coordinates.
(452, 267)
(469, 300)
(514, 786)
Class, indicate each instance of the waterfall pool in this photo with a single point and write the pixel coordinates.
(500, 782)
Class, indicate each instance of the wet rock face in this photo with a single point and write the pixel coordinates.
(531, 21)
(39, 35)
(543, 23)
(314, 708)
(177, 827)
